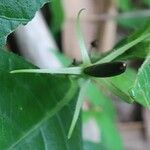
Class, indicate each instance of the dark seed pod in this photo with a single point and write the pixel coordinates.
(106, 69)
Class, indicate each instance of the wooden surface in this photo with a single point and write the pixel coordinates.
(133, 136)
(103, 31)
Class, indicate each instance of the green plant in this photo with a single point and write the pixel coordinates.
(37, 109)
(133, 14)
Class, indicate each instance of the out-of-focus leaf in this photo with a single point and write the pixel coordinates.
(134, 19)
(57, 16)
(109, 135)
(141, 35)
(28, 105)
(135, 46)
(93, 146)
(124, 5)
(139, 51)
(16, 12)
(98, 99)
(141, 90)
(146, 2)
(104, 114)
(133, 23)
(66, 61)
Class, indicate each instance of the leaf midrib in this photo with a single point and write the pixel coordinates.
(48, 115)
(14, 19)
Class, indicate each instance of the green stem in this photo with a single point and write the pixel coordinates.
(121, 50)
(84, 53)
(70, 70)
(78, 107)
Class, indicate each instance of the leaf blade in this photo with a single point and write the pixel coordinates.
(29, 101)
(140, 91)
(14, 13)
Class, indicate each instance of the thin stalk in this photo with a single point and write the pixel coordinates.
(121, 50)
(78, 107)
(69, 70)
(84, 53)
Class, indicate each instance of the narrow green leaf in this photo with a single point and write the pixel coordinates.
(135, 46)
(134, 39)
(69, 70)
(84, 52)
(123, 49)
(139, 51)
(78, 107)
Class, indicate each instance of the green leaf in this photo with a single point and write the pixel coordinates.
(16, 12)
(28, 105)
(93, 146)
(124, 5)
(62, 71)
(78, 107)
(147, 2)
(133, 22)
(57, 16)
(134, 19)
(98, 99)
(66, 61)
(139, 51)
(109, 135)
(140, 92)
(109, 132)
(104, 114)
(84, 53)
(120, 85)
(140, 35)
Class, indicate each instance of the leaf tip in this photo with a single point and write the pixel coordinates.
(13, 71)
(69, 135)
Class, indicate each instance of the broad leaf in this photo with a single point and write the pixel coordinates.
(141, 90)
(28, 101)
(14, 12)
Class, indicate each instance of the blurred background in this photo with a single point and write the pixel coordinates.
(50, 40)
